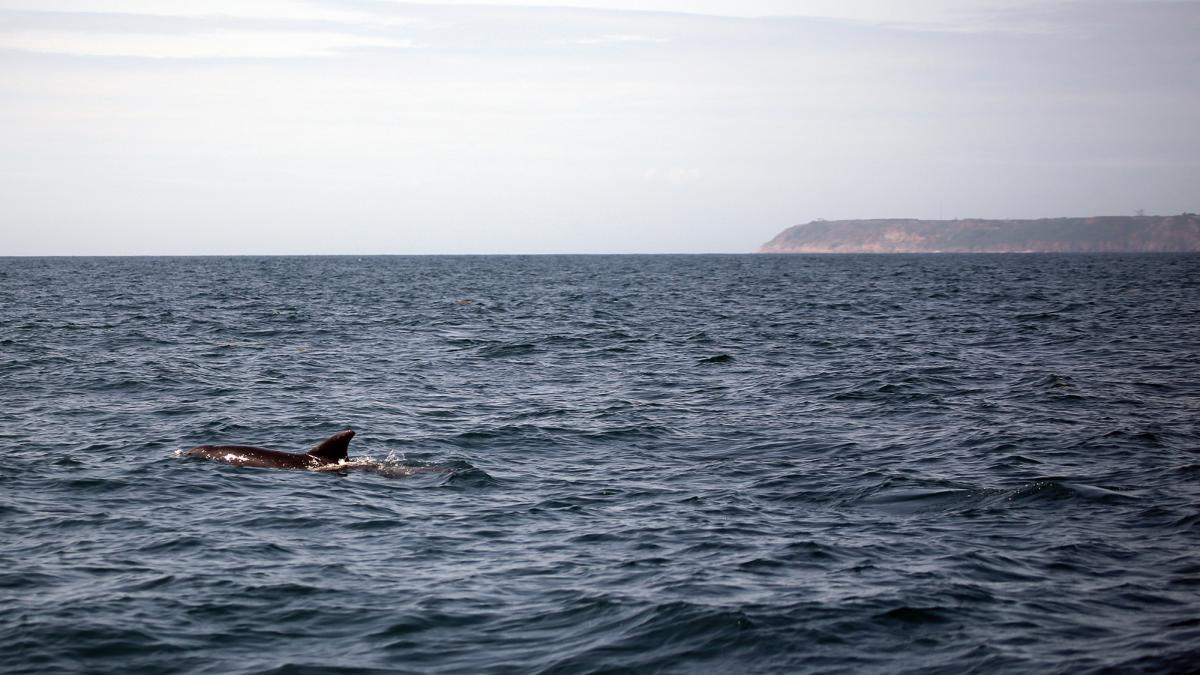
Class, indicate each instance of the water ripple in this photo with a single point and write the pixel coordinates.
(603, 464)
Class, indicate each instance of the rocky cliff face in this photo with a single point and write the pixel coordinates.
(1106, 234)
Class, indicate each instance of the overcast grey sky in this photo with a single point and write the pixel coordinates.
(589, 126)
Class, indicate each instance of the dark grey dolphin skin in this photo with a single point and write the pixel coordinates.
(331, 451)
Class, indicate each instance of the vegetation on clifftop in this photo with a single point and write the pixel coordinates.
(1103, 234)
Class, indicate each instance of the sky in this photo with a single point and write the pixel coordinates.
(187, 127)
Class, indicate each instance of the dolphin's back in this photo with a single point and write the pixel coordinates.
(330, 451)
(246, 455)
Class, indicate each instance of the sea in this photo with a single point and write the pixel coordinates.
(603, 464)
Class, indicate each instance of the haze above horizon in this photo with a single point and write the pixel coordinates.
(152, 127)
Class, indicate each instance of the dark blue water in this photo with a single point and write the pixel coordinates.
(776, 464)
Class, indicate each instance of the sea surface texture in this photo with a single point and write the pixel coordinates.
(692, 464)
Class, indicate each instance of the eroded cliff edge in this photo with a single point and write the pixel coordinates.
(1098, 234)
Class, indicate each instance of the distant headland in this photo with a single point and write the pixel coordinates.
(1099, 234)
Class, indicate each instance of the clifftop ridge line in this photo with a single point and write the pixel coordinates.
(1095, 234)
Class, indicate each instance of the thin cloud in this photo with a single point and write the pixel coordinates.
(621, 39)
(675, 175)
(283, 10)
(942, 15)
(225, 44)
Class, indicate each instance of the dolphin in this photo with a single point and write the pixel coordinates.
(330, 451)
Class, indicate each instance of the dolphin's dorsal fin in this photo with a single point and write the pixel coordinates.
(333, 449)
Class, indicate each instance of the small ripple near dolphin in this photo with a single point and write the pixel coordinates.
(393, 465)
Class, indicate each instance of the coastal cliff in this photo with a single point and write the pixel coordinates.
(1101, 234)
